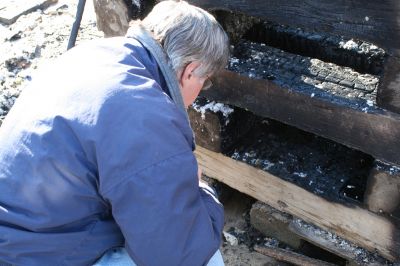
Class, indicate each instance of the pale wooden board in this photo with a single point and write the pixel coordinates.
(11, 10)
(352, 223)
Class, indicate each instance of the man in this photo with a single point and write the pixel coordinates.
(97, 153)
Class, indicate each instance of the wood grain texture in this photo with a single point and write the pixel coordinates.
(375, 133)
(353, 223)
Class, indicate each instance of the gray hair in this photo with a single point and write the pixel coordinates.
(187, 34)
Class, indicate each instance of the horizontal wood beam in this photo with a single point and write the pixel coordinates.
(360, 226)
(375, 132)
(290, 256)
(377, 22)
(374, 21)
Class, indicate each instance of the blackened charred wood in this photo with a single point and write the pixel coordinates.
(359, 55)
(362, 56)
(377, 22)
(371, 130)
(218, 127)
(312, 76)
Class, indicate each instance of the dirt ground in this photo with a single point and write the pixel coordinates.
(40, 36)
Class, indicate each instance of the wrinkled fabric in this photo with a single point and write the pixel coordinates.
(95, 155)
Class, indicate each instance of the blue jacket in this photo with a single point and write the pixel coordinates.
(94, 155)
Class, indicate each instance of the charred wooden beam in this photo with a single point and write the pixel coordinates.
(217, 126)
(313, 76)
(376, 22)
(290, 256)
(362, 227)
(302, 236)
(363, 127)
(373, 21)
(362, 56)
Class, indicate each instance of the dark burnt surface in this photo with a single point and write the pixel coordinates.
(304, 74)
(318, 165)
(362, 56)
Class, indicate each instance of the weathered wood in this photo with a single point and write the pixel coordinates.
(207, 128)
(217, 126)
(112, 17)
(374, 21)
(302, 73)
(374, 132)
(370, 20)
(353, 223)
(294, 232)
(389, 90)
(273, 223)
(317, 240)
(290, 256)
(383, 190)
(11, 10)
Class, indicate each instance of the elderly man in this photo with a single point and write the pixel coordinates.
(98, 152)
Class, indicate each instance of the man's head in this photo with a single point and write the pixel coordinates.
(194, 42)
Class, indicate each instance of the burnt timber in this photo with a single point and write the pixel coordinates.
(360, 226)
(374, 132)
(375, 21)
(245, 175)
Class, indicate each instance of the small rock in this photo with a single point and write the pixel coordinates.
(231, 239)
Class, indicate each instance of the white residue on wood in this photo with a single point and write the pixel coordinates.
(360, 254)
(349, 45)
(300, 174)
(214, 107)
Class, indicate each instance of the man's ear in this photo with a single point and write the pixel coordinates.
(187, 72)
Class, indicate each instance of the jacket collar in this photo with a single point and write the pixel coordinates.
(144, 37)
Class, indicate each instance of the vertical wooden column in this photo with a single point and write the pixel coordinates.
(383, 189)
(112, 17)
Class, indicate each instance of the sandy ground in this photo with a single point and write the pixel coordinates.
(40, 36)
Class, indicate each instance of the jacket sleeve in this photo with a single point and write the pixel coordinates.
(148, 175)
(165, 217)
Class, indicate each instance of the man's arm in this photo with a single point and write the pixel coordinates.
(165, 217)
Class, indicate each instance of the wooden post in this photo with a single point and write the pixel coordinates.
(383, 189)
(112, 17)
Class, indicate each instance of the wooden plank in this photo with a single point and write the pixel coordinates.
(353, 223)
(319, 241)
(13, 9)
(389, 90)
(375, 132)
(207, 128)
(370, 20)
(112, 17)
(290, 256)
(382, 194)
